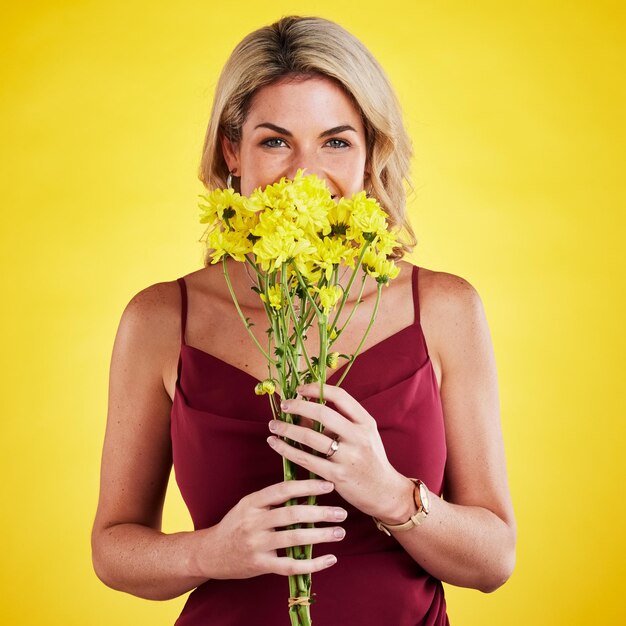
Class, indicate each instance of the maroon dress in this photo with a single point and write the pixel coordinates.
(219, 430)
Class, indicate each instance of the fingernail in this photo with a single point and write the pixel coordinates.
(284, 405)
(327, 486)
(272, 441)
(339, 533)
(340, 514)
(273, 426)
(330, 560)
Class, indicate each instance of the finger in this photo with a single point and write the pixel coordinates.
(341, 399)
(279, 493)
(304, 537)
(286, 566)
(326, 416)
(307, 436)
(319, 465)
(303, 514)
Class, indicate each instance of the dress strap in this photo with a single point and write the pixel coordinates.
(416, 300)
(416, 307)
(183, 309)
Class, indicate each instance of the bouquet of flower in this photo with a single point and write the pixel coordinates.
(298, 241)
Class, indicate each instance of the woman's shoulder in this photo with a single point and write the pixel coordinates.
(155, 311)
(442, 289)
(450, 308)
(437, 289)
(162, 300)
(151, 318)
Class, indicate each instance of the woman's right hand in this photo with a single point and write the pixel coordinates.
(247, 538)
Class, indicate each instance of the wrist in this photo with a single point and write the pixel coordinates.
(422, 507)
(197, 557)
(402, 504)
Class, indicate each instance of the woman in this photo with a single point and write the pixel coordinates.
(416, 418)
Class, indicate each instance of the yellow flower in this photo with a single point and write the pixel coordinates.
(309, 270)
(328, 296)
(339, 217)
(272, 221)
(331, 252)
(227, 242)
(274, 249)
(229, 222)
(220, 203)
(379, 267)
(313, 201)
(332, 360)
(367, 219)
(274, 297)
(305, 202)
(272, 203)
(264, 387)
(388, 271)
(387, 242)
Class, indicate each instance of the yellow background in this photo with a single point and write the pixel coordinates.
(517, 116)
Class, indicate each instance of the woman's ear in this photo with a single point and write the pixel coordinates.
(230, 150)
(367, 173)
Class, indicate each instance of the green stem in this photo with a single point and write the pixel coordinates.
(241, 315)
(367, 330)
(280, 364)
(289, 357)
(322, 323)
(257, 271)
(299, 585)
(352, 312)
(293, 592)
(308, 313)
(297, 329)
(346, 292)
(307, 294)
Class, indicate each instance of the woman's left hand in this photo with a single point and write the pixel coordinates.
(358, 467)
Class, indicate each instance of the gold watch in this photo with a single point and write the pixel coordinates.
(420, 497)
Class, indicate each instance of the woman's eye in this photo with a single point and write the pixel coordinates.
(274, 142)
(337, 143)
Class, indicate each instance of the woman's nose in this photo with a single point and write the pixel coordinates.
(305, 160)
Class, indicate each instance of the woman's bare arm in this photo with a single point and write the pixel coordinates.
(130, 553)
(469, 539)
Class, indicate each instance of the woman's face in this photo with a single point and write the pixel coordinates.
(300, 123)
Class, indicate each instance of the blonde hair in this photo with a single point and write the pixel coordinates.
(312, 46)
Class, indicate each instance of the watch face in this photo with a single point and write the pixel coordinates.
(424, 497)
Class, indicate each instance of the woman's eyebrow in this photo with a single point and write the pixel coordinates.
(327, 133)
(276, 129)
(336, 130)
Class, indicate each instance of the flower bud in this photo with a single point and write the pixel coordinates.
(332, 360)
(266, 386)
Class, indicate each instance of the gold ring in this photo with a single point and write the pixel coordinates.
(334, 446)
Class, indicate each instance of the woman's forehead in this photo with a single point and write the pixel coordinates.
(307, 100)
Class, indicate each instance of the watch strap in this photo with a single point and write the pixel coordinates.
(415, 520)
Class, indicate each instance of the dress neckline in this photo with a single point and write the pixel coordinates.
(416, 324)
(334, 374)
